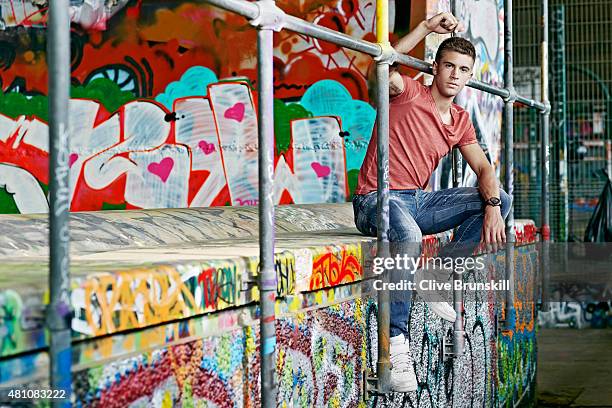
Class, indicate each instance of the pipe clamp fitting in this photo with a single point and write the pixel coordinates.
(547, 108)
(388, 55)
(512, 95)
(270, 17)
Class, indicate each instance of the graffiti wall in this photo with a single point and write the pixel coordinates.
(322, 355)
(578, 315)
(183, 329)
(484, 22)
(499, 364)
(140, 65)
(163, 112)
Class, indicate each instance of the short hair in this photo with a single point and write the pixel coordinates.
(457, 44)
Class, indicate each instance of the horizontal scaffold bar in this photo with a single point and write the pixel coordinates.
(250, 10)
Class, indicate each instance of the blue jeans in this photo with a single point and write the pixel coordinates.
(414, 213)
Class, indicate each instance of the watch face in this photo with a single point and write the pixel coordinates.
(493, 201)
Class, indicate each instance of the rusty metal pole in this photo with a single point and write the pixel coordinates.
(508, 143)
(59, 313)
(383, 368)
(268, 19)
(545, 159)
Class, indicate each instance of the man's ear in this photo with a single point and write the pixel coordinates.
(434, 68)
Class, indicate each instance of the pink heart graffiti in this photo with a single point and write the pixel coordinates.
(206, 147)
(162, 169)
(236, 112)
(321, 170)
(72, 158)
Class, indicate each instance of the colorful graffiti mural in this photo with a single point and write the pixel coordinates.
(497, 367)
(134, 298)
(145, 156)
(322, 129)
(167, 118)
(578, 315)
(166, 65)
(87, 13)
(152, 335)
(216, 370)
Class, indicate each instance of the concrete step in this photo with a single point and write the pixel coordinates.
(134, 269)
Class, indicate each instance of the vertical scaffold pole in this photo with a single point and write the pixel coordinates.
(383, 367)
(59, 312)
(267, 291)
(559, 116)
(509, 158)
(545, 158)
(457, 171)
(458, 327)
(457, 164)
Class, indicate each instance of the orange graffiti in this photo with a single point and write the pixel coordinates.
(336, 267)
(133, 299)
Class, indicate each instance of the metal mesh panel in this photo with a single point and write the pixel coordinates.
(580, 55)
(589, 76)
(527, 179)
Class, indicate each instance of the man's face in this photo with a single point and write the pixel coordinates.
(452, 72)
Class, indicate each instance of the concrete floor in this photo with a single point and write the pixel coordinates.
(574, 368)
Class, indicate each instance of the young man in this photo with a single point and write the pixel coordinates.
(424, 125)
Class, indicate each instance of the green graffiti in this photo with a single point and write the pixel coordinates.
(110, 207)
(352, 176)
(283, 115)
(104, 91)
(11, 308)
(223, 351)
(187, 395)
(7, 202)
(14, 104)
(516, 365)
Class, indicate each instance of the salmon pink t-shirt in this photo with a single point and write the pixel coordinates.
(417, 139)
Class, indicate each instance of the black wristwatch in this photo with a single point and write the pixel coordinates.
(493, 202)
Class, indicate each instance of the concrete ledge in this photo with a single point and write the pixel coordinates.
(135, 269)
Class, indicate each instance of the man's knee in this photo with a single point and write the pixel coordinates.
(405, 233)
(506, 202)
(402, 227)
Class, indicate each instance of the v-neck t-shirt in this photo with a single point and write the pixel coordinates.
(418, 139)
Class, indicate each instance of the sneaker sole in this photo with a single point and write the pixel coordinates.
(404, 387)
(442, 312)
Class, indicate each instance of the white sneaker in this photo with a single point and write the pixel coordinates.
(403, 378)
(444, 310)
(432, 299)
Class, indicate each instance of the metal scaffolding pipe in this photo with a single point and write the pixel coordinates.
(325, 34)
(458, 327)
(545, 162)
(382, 126)
(530, 103)
(267, 272)
(383, 367)
(382, 21)
(457, 172)
(545, 159)
(250, 11)
(508, 144)
(59, 313)
(559, 95)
